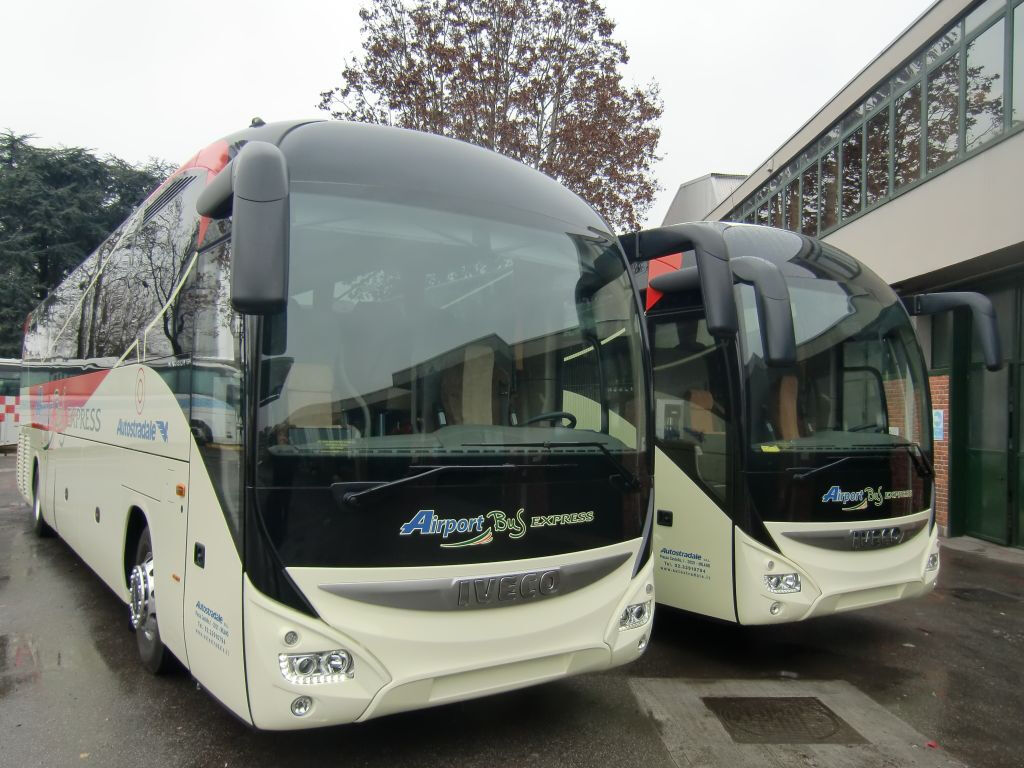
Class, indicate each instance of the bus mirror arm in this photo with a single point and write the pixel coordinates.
(773, 305)
(253, 190)
(983, 317)
(713, 271)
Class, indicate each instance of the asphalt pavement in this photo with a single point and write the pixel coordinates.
(935, 681)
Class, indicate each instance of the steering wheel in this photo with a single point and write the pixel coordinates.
(553, 416)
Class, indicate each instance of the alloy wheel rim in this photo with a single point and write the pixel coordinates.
(142, 589)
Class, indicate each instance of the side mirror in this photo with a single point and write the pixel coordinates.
(253, 190)
(775, 318)
(774, 311)
(983, 316)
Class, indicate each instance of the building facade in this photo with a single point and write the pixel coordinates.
(916, 168)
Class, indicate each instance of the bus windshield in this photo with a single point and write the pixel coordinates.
(849, 416)
(501, 345)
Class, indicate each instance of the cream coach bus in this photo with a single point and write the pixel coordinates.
(793, 425)
(430, 475)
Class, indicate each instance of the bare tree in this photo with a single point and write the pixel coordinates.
(537, 80)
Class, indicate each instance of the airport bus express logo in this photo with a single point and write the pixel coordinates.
(480, 529)
(855, 501)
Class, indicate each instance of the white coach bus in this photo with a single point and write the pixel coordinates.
(792, 425)
(429, 475)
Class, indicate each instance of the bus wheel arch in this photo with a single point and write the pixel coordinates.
(137, 523)
(39, 526)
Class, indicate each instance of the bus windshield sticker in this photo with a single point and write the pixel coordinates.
(857, 500)
(426, 522)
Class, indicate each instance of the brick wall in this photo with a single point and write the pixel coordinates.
(940, 401)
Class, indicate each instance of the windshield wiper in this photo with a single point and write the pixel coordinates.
(355, 498)
(808, 472)
(629, 480)
(921, 463)
(919, 457)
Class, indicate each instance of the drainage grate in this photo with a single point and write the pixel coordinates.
(981, 595)
(781, 720)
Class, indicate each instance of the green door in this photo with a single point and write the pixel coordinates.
(990, 455)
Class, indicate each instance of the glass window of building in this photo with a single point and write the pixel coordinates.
(852, 156)
(945, 43)
(1018, 64)
(830, 189)
(906, 142)
(907, 74)
(982, 14)
(809, 202)
(762, 214)
(776, 211)
(944, 112)
(793, 205)
(984, 116)
(877, 182)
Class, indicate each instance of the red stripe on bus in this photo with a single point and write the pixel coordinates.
(661, 266)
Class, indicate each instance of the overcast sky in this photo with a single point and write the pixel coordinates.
(138, 79)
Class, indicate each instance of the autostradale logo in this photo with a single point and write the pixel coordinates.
(142, 429)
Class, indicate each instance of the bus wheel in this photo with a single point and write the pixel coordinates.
(142, 589)
(39, 526)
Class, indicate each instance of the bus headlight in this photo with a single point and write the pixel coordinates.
(782, 583)
(635, 615)
(313, 668)
(933, 562)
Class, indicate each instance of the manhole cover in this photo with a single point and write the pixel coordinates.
(781, 720)
(981, 595)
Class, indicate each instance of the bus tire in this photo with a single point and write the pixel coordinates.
(142, 601)
(39, 525)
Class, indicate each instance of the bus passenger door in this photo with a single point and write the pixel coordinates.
(213, 585)
(692, 412)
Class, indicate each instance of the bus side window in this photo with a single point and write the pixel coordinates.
(163, 251)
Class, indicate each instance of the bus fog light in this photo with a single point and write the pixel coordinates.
(314, 668)
(635, 615)
(933, 562)
(775, 608)
(335, 662)
(782, 583)
(301, 706)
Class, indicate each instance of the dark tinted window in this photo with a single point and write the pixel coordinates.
(984, 116)
(944, 113)
(1018, 64)
(907, 138)
(830, 189)
(852, 156)
(793, 205)
(809, 202)
(877, 182)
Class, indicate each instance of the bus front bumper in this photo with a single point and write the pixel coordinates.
(405, 660)
(830, 581)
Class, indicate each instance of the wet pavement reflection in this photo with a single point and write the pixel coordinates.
(72, 691)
